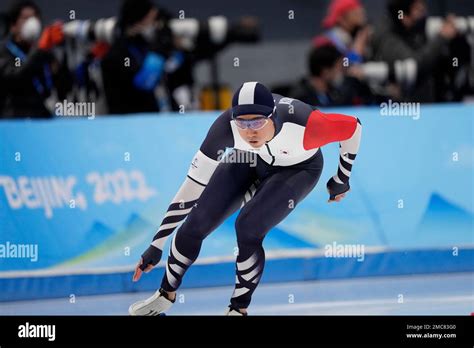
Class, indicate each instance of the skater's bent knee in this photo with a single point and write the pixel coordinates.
(248, 230)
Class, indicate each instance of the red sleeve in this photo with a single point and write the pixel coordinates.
(322, 129)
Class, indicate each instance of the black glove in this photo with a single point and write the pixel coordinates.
(336, 188)
(151, 256)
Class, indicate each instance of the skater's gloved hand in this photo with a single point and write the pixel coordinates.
(337, 191)
(149, 259)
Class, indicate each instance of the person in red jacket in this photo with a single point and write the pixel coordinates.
(266, 149)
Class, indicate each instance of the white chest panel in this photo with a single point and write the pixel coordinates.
(286, 147)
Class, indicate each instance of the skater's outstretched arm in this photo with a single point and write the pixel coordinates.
(322, 129)
(200, 172)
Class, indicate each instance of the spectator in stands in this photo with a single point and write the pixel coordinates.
(163, 52)
(347, 29)
(28, 69)
(327, 84)
(131, 70)
(326, 71)
(402, 36)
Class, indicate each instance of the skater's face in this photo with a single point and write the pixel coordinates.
(255, 129)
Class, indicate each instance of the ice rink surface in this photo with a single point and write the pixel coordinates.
(435, 294)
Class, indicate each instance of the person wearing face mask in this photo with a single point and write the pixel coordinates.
(347, 29)
(132, 69)
(401, 35)
(327, 84)
(28, 69)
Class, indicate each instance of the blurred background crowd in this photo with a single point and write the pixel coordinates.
(135, 56)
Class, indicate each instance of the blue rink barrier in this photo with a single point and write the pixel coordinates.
(81, 199)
